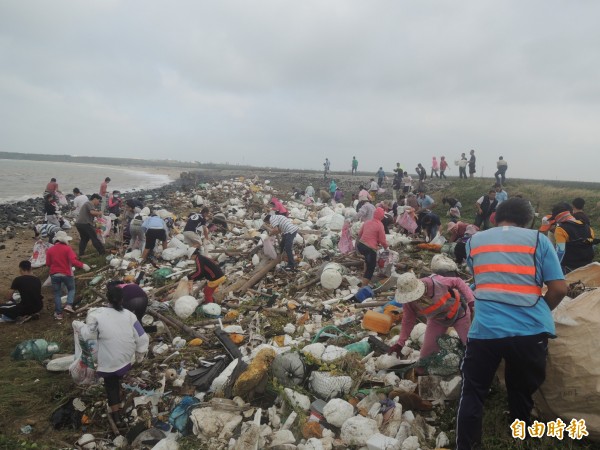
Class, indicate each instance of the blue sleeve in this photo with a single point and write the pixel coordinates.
(547, 261)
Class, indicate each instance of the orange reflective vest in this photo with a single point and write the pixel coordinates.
(504, 266)
(446, 309)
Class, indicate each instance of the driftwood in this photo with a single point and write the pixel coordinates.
(177, 324)
(111, 422)
(308, 283)
(259, 274)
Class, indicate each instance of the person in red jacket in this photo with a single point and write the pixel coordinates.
(60, 258)
(370, 237)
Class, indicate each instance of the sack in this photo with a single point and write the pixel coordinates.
(83, 369)
(407, 222)
(573, 365)
(38, 258)
(62, 200)
(103, 227)
(386, 260)
(346, 245)
(269, 247)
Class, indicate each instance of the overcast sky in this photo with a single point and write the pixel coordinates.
(287, 83)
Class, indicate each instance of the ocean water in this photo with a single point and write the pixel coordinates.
(20, 180)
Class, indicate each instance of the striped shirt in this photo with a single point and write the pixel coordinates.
(284, 224)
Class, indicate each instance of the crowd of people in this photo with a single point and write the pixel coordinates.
(503, 315)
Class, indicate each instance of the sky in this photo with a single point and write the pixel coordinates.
(287, 83)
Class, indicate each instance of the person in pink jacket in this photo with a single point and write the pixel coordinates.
(370, 237)
(435, 167)
(444, 301)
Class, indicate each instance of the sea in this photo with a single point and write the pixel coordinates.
(21, 180)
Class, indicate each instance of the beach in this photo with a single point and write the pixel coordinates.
(21, 180)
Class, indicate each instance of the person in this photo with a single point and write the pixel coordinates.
(278, 207)
(454, 207)
(501, 194)
(209, 269)
(134, 297)
(380, 176)
(430, 224)
(370, 236)
(60, 258)
(195, 228)
(398, 170)
(52, 187)
(421, 172)
(406, 183)
(85, 225)
(424, 201)
(284, 226)
(363, 194)
(121, 338)
(462, 167)
(500, 174)
(155, 229)
(310, 191)
(332, 187)
(364, 212)
(78, 201)
(45, 230)
(472, 160)
(29, 288)
(443, 167)
(114, 207)
(513, 320)
(443, 301)
(338, 195)
(373, 189)
(137, 235)
(354, 165)
(104, 193)
(326, 166)
(396, 185)
(435, 167)
(456, 230)
(574, 239)
(51, 210)
(485, 206)
(578, 205)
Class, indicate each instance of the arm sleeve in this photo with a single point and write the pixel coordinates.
(382, 239)
(90, 329)
(461, 286)
(561, 240)
(409, 317)
(73, 259)
(360, 232)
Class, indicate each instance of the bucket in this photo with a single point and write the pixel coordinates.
(331, 277)
(378, 322)
(363, 294)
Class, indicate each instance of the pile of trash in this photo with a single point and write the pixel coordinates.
(283, 360)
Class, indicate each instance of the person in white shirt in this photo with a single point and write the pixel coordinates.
(310, 191)
(284, 226)
(406, 183)
(78, 201)
(120, 338)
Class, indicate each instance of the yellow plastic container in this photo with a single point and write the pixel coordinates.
(374, 321)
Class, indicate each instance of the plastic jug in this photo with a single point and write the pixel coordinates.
(363, 294)
(374, 321)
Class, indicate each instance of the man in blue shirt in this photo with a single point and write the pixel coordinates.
(513, 321)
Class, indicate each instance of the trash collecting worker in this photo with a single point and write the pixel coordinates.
(209, 269)
(444, 301)
(510, 265)
(120, 338)
(29, 288)
(370, 237)
(284, 226)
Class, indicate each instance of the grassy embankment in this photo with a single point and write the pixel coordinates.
(28, 393)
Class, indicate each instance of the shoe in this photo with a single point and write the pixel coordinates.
(69, 309)
(58, 316)
(5, 319)
(290, 269)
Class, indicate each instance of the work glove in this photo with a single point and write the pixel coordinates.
(140, 356)
(397, 349)
(86, 267)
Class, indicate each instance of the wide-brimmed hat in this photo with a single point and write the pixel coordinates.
(409, 288)
(451, 226)
(61, 236)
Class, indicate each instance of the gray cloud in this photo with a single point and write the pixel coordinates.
(286, 83)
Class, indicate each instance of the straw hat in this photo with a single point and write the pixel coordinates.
(61, 236)
(409, 288)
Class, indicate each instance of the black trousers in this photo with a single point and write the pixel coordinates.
(370, 259)
(525, 358)
(112, 386)
(462, 172)
(86, 234)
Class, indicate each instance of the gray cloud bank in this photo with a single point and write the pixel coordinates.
(286, 83)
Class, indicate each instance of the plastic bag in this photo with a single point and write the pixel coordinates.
(62, 200)
(438, 239)
(346, 245)
(103, 227)
(184, 287)
(407, 221)
(83, 369)
(65, 224)
(180, 415)
(269, 247)
(38, 349)
(38, 258)
(386, 260)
